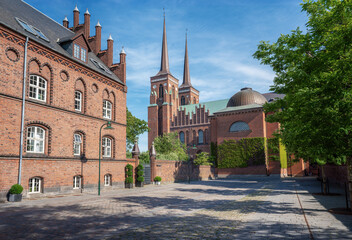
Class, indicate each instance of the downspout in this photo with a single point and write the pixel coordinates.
(23, 108)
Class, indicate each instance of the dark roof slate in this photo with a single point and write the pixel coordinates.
(10, 9)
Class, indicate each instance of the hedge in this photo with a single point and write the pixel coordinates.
(242, 153)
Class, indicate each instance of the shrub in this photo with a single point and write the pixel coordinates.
(202, 159)
(144, 157)
(140, 173)
(16, 189)
(129, 167)
(129, 173)
(157, 179)
(129, 180)
(128, 154)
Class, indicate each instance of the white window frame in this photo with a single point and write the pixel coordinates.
(106, 146)
(78, 101)
(34, 185)
(76, 51)
(107, 180)
(83, 54)
(77, 142)
(77, 182)
(34, 139)
(107, 109)
(37, 87)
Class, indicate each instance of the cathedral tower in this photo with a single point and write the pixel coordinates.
(187, 93)
(164, 100)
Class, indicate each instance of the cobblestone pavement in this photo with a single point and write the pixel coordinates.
(248, 207)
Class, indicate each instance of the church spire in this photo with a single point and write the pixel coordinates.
(164, 67)
(186, 75)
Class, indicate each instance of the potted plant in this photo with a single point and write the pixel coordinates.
(15, 193)
(140, 178)
(129, 176)
(157, 180)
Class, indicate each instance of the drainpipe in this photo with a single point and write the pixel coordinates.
(23, 108)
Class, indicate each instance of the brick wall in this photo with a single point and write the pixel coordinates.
(178, 171)
(57, 175)
(335, 174)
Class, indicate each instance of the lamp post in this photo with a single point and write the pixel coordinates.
(107, 128)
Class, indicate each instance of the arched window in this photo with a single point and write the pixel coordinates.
(194, 100)
(35, 139)
(77, 182)
(77, 144)
(182, 137)
(106, 147)
(107, 109)
(35, 185)
(78, 101)
(200, 137)
(37, 88)
(173, 92)
(194, 137)
(183, 100)
(107, 180)
(239, 127)
(161, 91)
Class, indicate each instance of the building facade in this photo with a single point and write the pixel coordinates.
(57, 88)
(175, 108)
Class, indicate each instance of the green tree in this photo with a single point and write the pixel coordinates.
(314, 69)
(169, 147)
(202, 159)
(135, 127)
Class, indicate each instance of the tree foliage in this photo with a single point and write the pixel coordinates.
(202, 159)
(169, 147)
(135, 127)
(314, 69)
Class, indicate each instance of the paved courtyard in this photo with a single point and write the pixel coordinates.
(243, 208)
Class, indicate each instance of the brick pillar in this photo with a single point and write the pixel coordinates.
(152, 155)
(136, 152)
(86, 24)
(75, 17)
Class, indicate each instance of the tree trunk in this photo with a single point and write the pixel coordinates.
(323, 179)
(349, 178)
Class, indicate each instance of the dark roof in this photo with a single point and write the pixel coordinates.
(272, 96)
(10, 9)
(246, 96)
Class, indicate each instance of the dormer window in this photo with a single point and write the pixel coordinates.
(83, 54)
(76, 51)
(79, 52)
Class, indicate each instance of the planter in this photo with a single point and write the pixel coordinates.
(128, 185)
(139, 184)
(15, 197)
(157, 183)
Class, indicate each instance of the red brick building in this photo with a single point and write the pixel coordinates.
(175, 108)
(71, 87)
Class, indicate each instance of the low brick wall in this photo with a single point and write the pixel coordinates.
(178, 171)
(335, 174)
(57, 174)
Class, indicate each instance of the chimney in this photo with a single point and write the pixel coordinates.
(122, 76)
(110, 51)
(97, 38)
(65, 22)
(75, 17)
(86, 24)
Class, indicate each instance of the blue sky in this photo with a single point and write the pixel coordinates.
(222, 36)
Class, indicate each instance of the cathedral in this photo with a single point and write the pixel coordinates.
(176, 108)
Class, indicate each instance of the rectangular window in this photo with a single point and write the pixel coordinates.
(107, 108)
(76, 50)
(76, 182)
(35, 139)
(77, 144)
(37, 88)
(78, 101)
(34, 185)
(107, 180)
(106, 147)
(83, 54)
